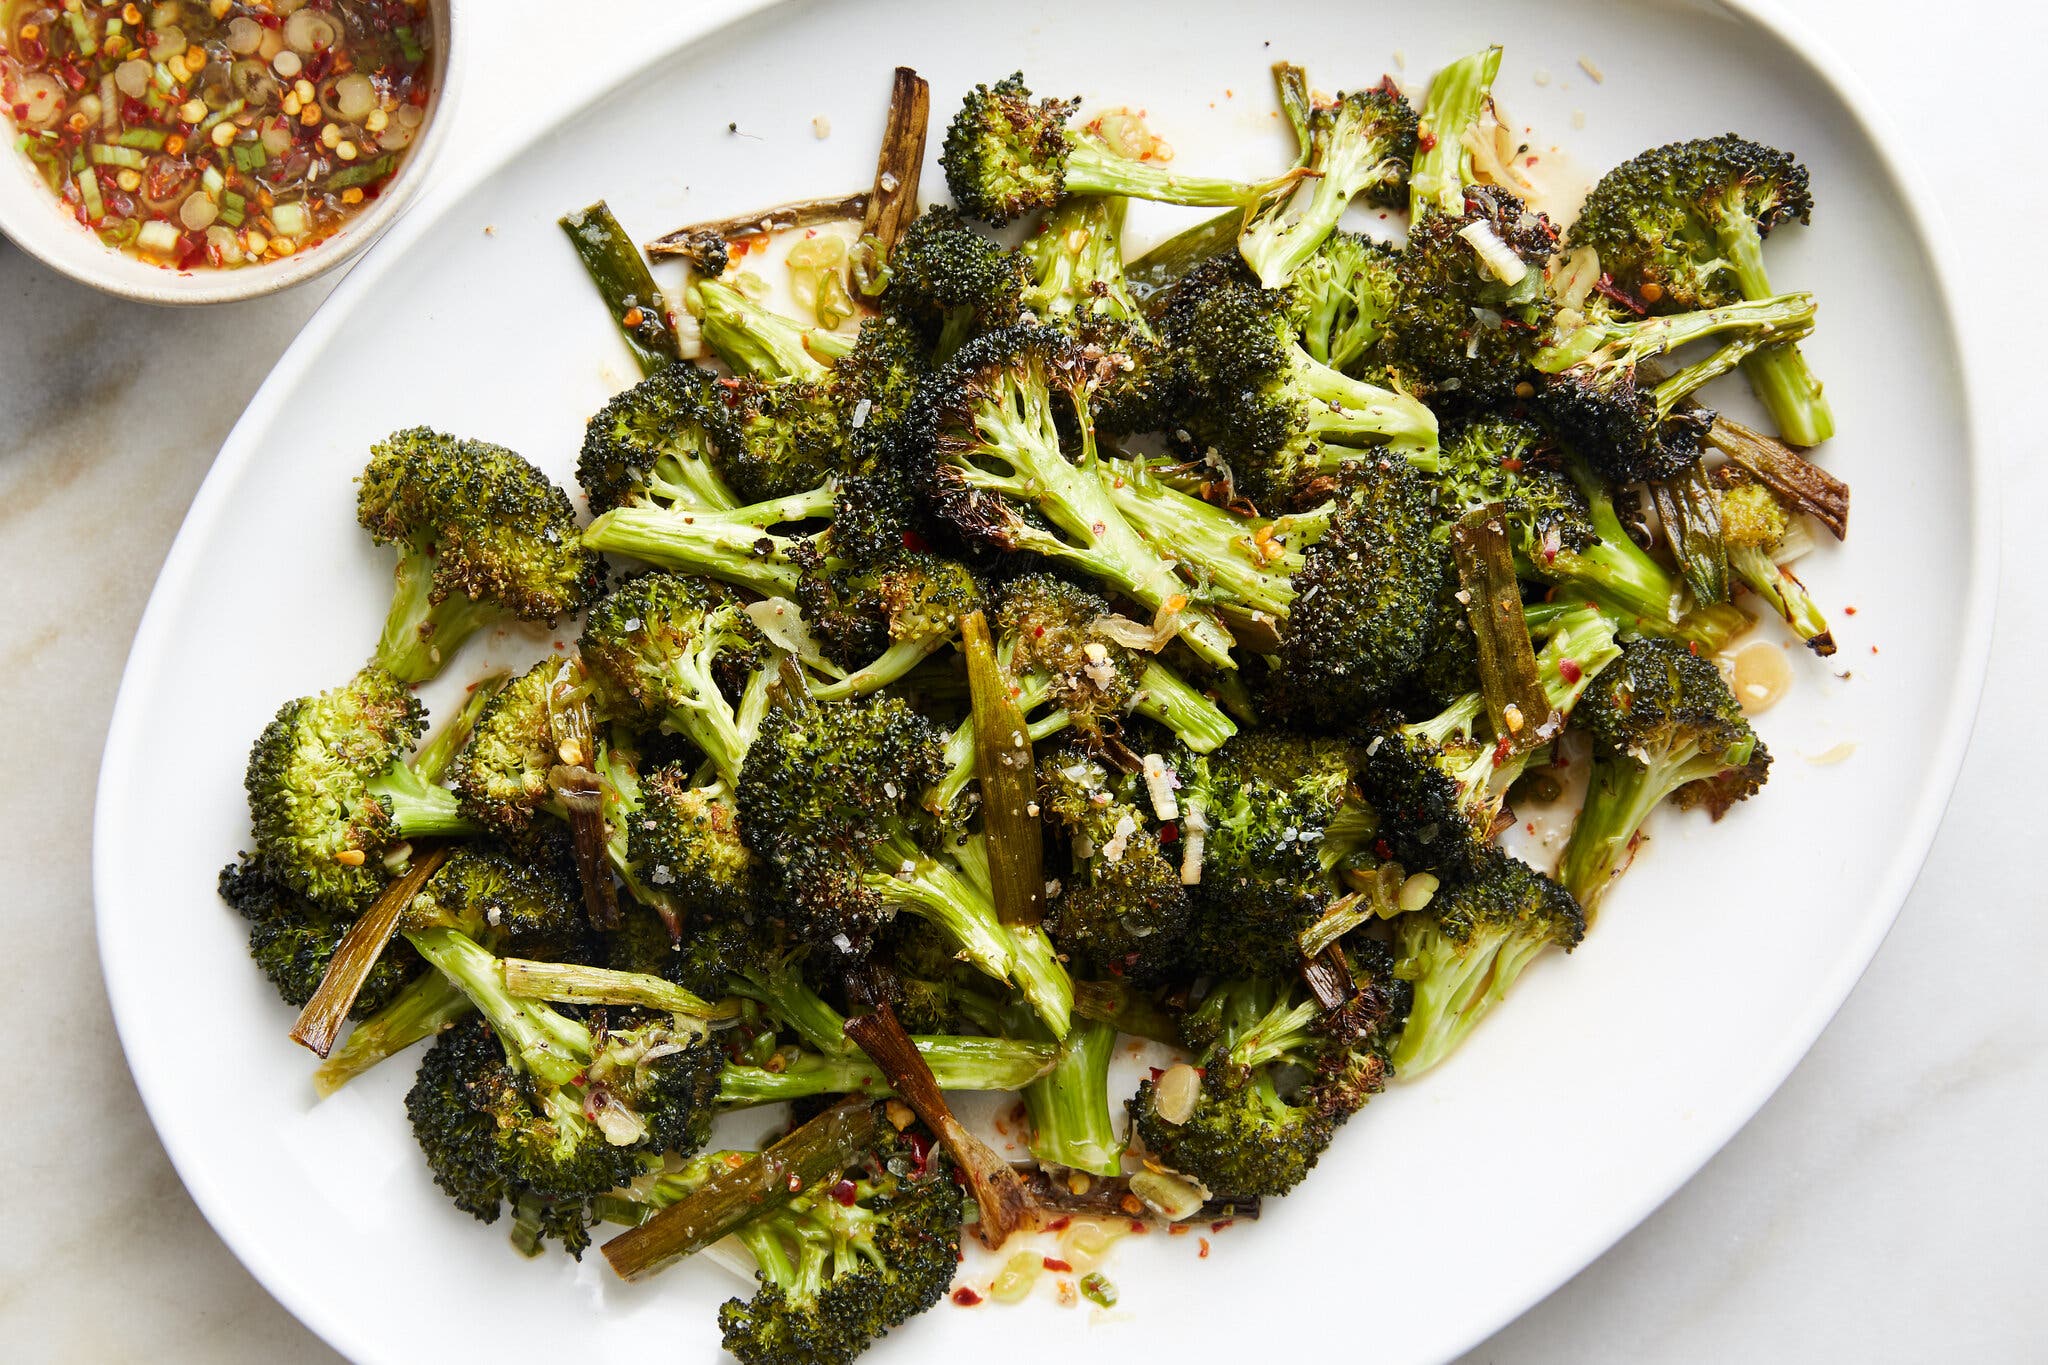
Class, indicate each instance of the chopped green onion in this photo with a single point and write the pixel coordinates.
(231, 200)
(408, 44)
(232, 217)
(165, 81)
(214, 181)
(228, 110)
(1096, 1288)
(114, 27)
(149, 139)
(361, 174)
(89, 192)
(104, 155)
(81, 29)
(157, 236)
(249, 156)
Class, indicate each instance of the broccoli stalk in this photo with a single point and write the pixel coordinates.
(760, 342)
(1664, 724)
(425, 1007)
(1443, 165)
(736, 545)
(1071, 1124)
(1361, 145)
(958, 1063)
(1757, 527)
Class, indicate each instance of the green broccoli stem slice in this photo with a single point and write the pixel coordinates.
(1094, 169)
(431, 761)
(1786, 595)
(576, 984)
(1778, 374)
(1040, 978)
(1221, 551)
(1626, 344)
(1347, 412)
(958, 1063)
(1077, 262)
(1166, 697)
(780, 988)
(420, 810)
(758, 341)
(1018, 428)
(1613, 568)
(424, 1007)
(1443, 166)
(1069, 1105)
(1284, 235)
(734, 546)
(541, 1041)
(421, 635)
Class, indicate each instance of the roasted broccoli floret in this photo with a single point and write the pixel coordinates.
(829, 798)
(1341, 298)
(502, 778)
(682, 846)
(1281, 417)
(529, 1106)
(1682, 227)
(1463, 951)
(292, 939)
(1280, 813)
(883, 618)
(1121, 909)
(1634, 427)
(1000, 471)
(1006, 156)
(659, 441)
(1278, 1076)
(1663, 724)
(845, 1261)
(1077, 266)
(1359, 145)
(1471, 302)
(1440, 784)
(1756, 528)
(331, 793)
(680, 652)
(483, 537)
(951, 282)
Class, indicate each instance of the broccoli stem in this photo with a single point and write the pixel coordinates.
(541, 1041)
(789, 1001)
(1284, 235)
(1035, 966)
(1032, 691)
(959, 1063)
(1778, 374)
(895, 661)
(1614, 568)
(758, 341)
(733, 546)
(420, 810)
(1017, 426)
(1095, 169)
(915, 883)
(430, 763)
(1624, 345)
(1619, 797)
(1069, 1106)
(426, 1005)
(576, 984)
(421, 635)
(1077, 262)
(1351, 412)
(1786, 595)
(1442, 164)
(1451, 998)
(1219, 549)
(1163, 695)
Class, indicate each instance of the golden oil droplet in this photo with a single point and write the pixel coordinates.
(1763, 675)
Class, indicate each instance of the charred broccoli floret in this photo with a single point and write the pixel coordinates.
(330, 791)
(837, 1272)
(951, 282)
(1280, 814)
(1359, 145)
(292, 939)
(482, 536)
(1440, 784)
(1077, 265)
(1634, 427)
(1663, 724)
(885, 617)
(1121, 909)
(1006, 156)
(1682, 227)
(1001, 473)
(829, 798)
(1464, 950)
(681, 653)
(1756, 528)
(682, 844)
(659, 441)
(1278, 1076)
(1281, 417)
(1341, 298)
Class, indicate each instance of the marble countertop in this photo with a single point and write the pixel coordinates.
(1888, 1203)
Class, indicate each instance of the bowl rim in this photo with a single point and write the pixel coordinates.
(59, 243)
(1976, 611)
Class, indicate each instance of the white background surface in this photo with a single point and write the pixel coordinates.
(1888, 1204)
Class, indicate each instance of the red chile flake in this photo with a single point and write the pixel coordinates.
(1060, 1224)
(964, 1297)
(844, 1193)
(915, 543)
(1055, 1264)
(1169, 833)
(1569, 670)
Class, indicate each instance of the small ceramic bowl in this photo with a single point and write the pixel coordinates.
(33, 219)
